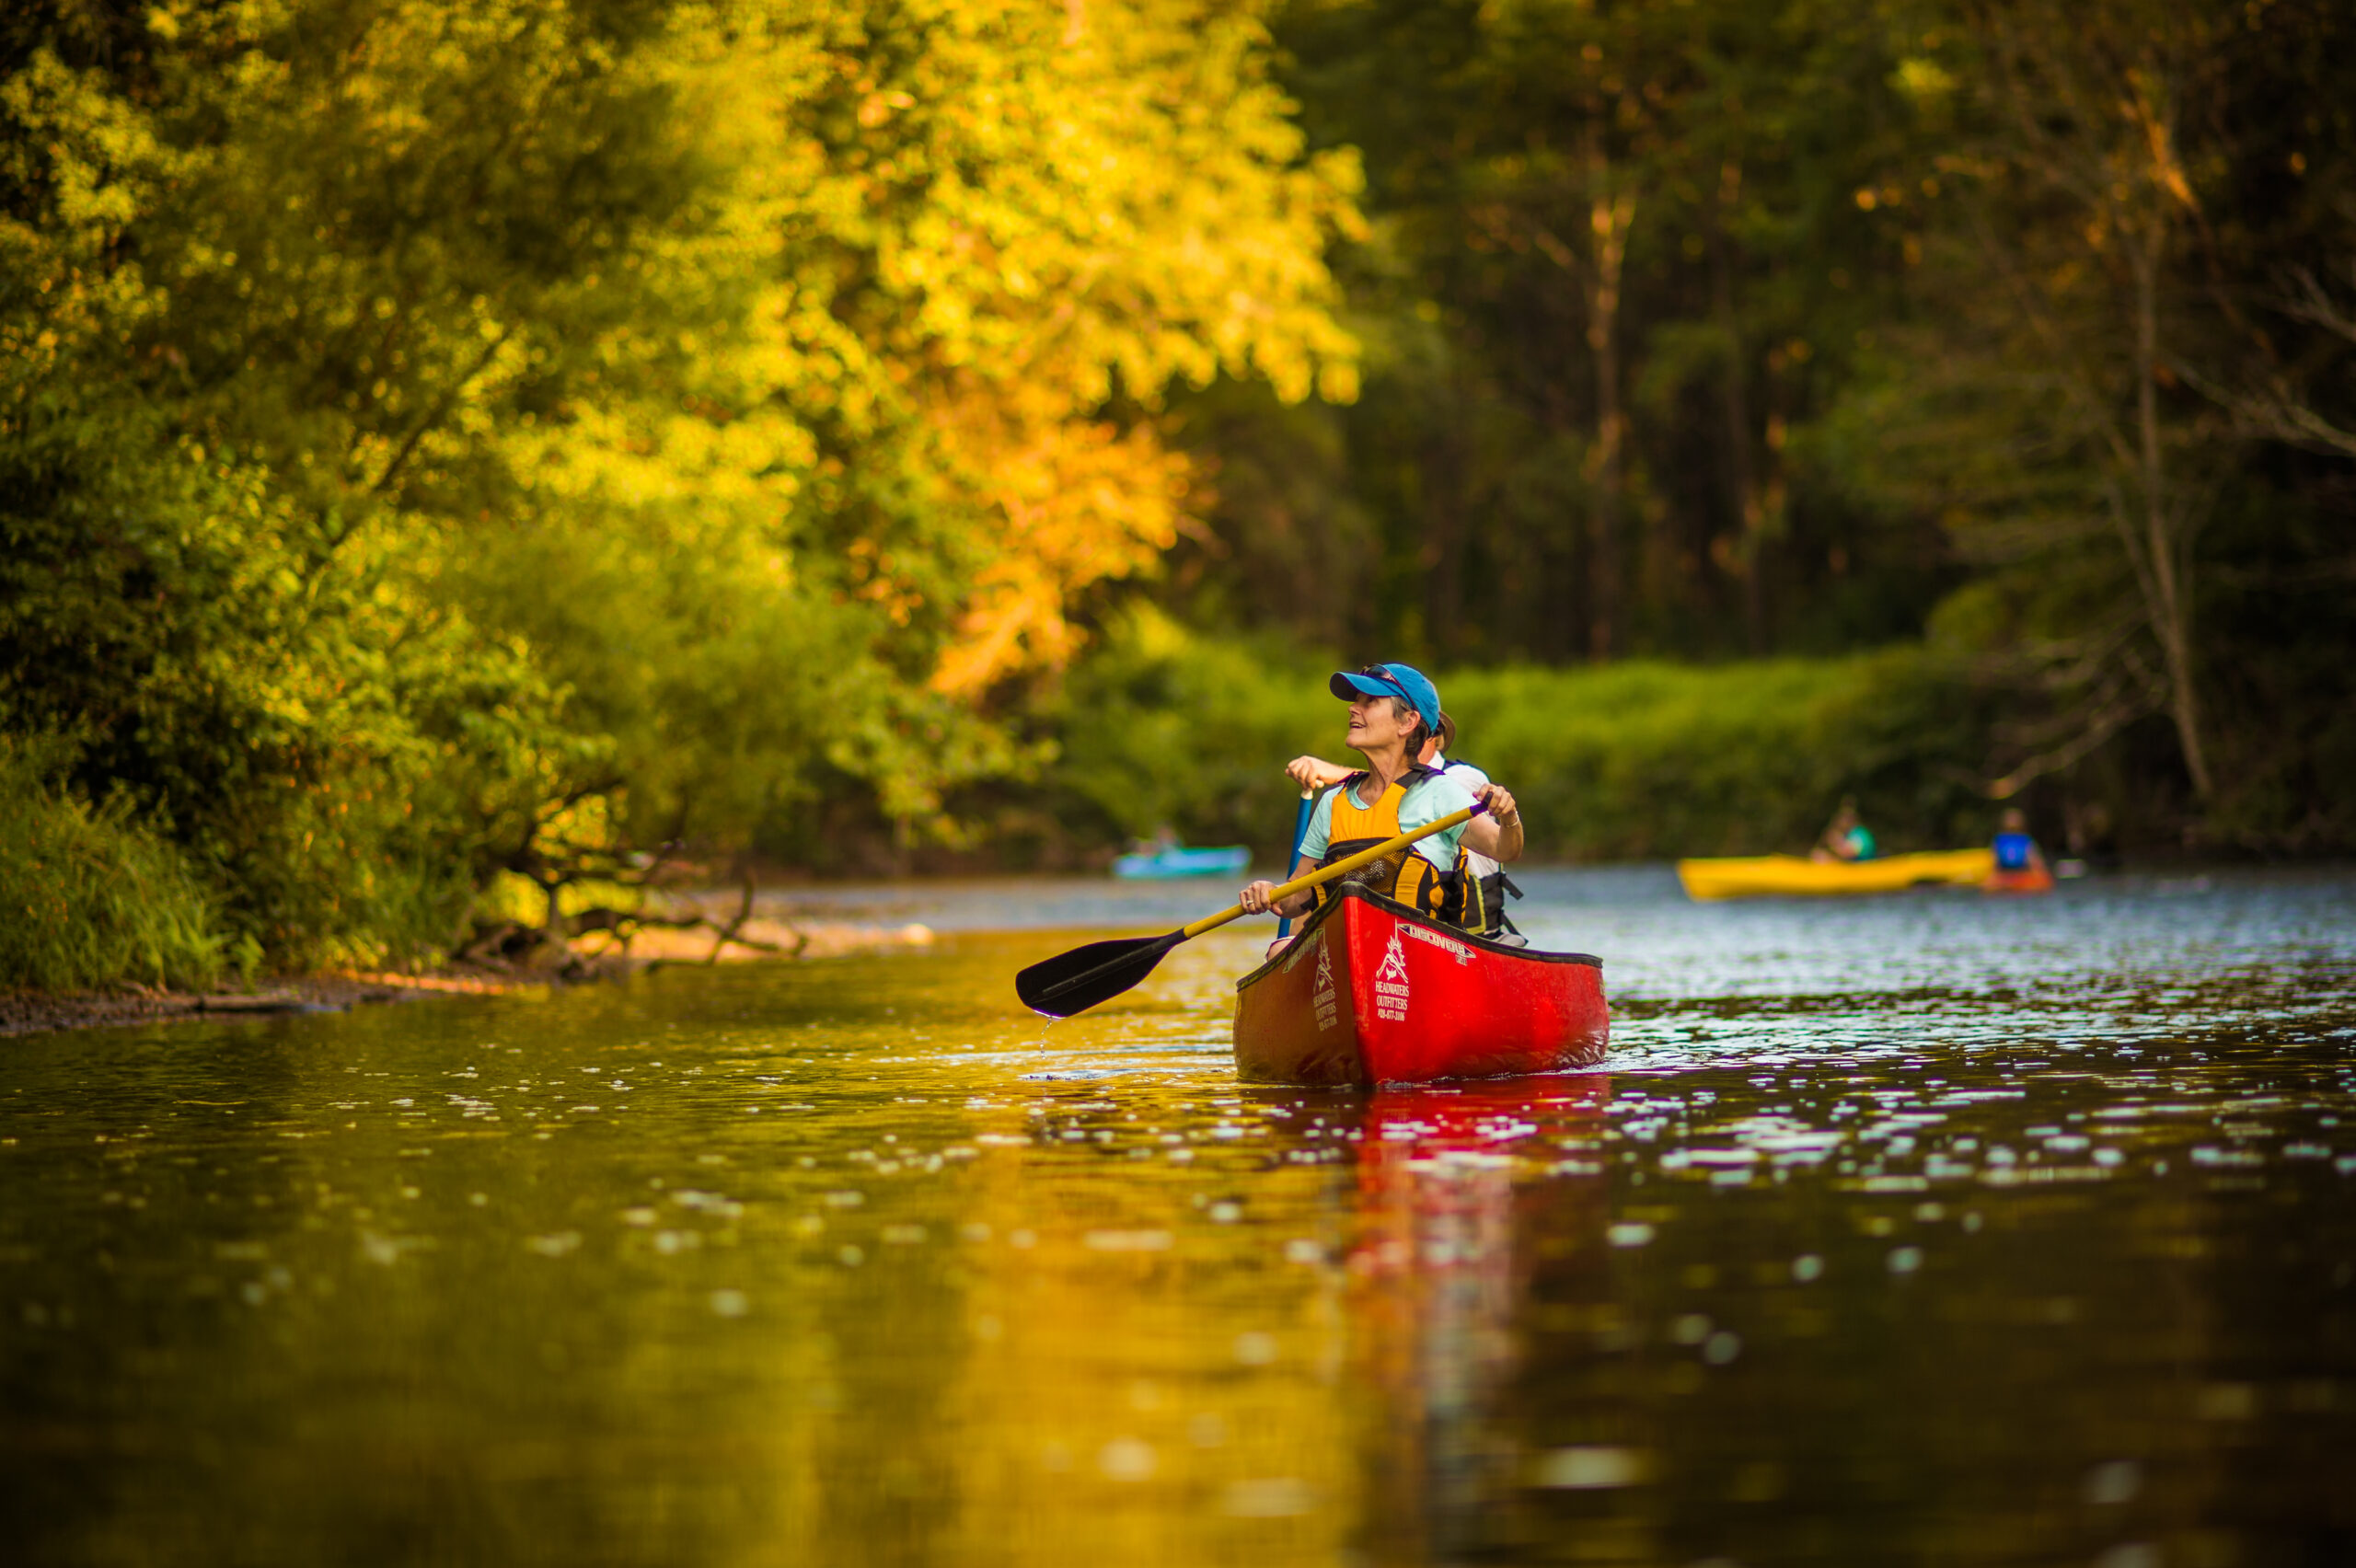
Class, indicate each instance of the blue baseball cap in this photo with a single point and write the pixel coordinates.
(1392, 680)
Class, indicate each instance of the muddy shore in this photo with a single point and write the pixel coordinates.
(593, 960)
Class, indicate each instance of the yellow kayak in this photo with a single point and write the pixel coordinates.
(1760, 876)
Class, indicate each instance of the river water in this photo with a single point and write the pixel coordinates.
(1937, 1228)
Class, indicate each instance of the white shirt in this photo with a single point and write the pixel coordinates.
(1472, 778)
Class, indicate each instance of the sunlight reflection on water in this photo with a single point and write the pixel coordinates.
(2040, 1209)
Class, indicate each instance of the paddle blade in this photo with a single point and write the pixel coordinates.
(1076, 981)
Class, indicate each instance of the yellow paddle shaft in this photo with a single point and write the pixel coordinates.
(1342, 867)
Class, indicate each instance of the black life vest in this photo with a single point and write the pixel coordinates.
(1475, 902)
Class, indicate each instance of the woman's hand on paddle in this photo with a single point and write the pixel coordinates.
(1256, 900)
(1314, 772)
(1497, 831)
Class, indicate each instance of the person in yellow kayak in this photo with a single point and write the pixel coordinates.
(1393, 713)
(1477, 902)
(1846, 837)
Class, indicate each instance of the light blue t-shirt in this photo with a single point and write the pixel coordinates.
(1429, 798)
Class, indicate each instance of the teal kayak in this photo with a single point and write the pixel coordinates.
(1222, 861)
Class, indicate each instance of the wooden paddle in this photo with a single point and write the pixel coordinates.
(1076, 981)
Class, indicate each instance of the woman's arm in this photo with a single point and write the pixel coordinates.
(1497, 831)
(1315, 773)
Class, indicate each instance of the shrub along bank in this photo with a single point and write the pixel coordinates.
(1164, 725)
(1642, 759)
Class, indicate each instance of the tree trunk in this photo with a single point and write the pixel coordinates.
(2169, 563)
(1741, 471)
(1610, 217)
(1556, 629)
(1446, 468)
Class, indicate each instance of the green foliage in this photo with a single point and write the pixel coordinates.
(443, 443)
(446, 447)
(1647, 760)
(89, 899)
(2040, 304)
(1643, 759)
(1567, 448)
(1166, 727)
(334, 756)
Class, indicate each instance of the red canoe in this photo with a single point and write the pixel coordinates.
(1371, 992)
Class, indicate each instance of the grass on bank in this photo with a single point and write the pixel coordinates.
(90, 900)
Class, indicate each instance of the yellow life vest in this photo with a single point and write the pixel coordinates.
(1406, 875)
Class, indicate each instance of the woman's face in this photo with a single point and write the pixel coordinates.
(1374, 723)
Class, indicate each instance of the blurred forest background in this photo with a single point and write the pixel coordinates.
(450, 449)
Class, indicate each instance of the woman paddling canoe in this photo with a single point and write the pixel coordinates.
(1379, 985)
(1356, 830)
(1479, 905)
(1393, 710)
(1385, 982)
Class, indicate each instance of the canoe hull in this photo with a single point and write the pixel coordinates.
(1370, 992)
(1767, 876)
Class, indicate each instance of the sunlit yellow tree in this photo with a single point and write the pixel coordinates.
(1021, 225)
(974, 245)
(543, 428)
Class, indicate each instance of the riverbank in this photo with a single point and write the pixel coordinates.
(597, 958)
(36, 1012)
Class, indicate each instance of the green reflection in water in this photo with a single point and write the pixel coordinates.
(851, 1262)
